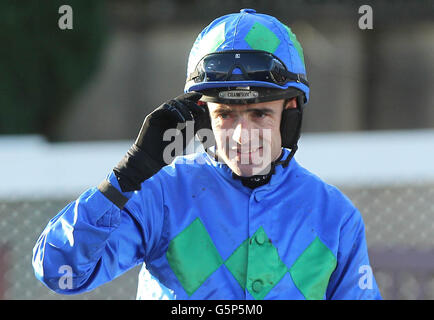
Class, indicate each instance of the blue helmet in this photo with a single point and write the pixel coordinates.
(247, 56)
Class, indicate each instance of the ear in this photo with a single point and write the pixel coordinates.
(291, 103)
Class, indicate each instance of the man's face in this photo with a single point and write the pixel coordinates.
(248, 136)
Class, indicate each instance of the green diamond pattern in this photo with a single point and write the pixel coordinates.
(236, 263)
(265, 267)
(260, 37)
(295, 42)
(312, 270)
(213, 39)
(193, 257)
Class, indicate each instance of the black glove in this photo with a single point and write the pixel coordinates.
(145, 157)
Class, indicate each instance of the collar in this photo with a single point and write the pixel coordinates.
(259, 180)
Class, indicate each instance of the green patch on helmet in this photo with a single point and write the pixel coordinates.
(295, 42)
(207, 44)
(260, 37)
(212, 40)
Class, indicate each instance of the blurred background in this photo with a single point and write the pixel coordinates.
(72, 102)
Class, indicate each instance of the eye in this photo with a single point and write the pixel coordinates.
(224, 115)
(259, 114)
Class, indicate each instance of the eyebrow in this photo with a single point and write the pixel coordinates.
(264, 110)
(221, 110)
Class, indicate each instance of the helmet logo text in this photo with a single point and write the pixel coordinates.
(238, 94)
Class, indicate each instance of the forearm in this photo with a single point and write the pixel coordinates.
(113, 227)
(82, 242)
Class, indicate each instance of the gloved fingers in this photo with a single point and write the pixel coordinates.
(191, 96)
(191, 100)
(180, 110)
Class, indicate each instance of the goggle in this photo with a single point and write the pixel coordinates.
(244, 65)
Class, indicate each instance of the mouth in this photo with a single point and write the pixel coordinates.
(242, 151)
(247, 156)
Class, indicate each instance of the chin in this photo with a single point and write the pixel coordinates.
(249, 170)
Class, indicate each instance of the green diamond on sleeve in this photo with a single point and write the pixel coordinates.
(193, 256)
(260, 37)
(312, 270)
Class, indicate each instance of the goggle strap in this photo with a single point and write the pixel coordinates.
(297, 77)
(193, 75)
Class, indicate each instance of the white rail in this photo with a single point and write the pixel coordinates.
(31, 167)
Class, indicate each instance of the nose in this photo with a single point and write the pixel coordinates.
(241, 133)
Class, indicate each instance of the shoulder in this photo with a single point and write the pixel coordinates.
(318, 187)
(185, 170)
(328, 200)
(186, 164)
(331, 213)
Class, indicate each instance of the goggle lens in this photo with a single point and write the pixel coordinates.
(242, 66)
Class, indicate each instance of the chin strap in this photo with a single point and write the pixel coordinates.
(285, 162)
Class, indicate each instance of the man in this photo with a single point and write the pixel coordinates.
(241, 220)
